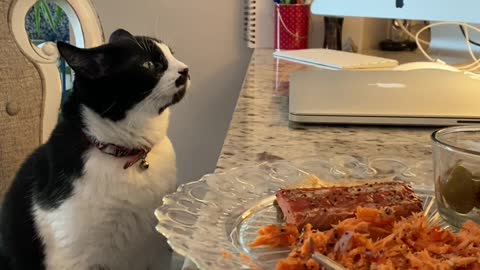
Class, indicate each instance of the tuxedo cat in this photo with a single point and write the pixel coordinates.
(85, 199)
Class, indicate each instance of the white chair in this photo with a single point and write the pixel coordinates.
(30, 85)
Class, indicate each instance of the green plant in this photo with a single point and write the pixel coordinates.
(52, 15)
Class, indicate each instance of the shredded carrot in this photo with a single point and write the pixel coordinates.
(249, 262)
(227, 255)
(274, 236)
(373, 239)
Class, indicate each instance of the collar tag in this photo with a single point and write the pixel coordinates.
(120, 151)
(140, 156)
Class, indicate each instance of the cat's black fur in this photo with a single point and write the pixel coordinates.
(110, 80)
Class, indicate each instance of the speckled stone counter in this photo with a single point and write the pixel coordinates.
(260, 129)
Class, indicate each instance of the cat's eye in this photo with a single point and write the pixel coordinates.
(149, 65)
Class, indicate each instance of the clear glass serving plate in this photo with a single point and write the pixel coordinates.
(212, 221)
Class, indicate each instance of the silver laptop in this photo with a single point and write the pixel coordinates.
(417, 97)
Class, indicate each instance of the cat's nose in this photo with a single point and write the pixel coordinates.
(183, 72)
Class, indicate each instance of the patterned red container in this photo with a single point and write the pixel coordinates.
(291, 27)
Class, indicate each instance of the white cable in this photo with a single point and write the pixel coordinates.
(468, 67)
(470, 51)
(467, 40)
(404, 29)
(419, 45)
(475, 65)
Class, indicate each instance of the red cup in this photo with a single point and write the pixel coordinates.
(291, 27)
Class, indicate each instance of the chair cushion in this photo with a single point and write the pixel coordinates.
(21, 103)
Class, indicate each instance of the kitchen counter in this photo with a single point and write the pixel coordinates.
(260, 130)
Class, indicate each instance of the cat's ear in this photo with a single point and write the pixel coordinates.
(121, 34)
(85, 62)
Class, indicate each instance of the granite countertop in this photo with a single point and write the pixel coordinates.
(260, 130)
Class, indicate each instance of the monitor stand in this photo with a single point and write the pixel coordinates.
(448, 44)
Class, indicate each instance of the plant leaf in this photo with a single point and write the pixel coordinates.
(58, 16)
(36, 10)
(48, 15)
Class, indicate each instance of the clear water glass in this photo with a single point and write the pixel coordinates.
(456, 159)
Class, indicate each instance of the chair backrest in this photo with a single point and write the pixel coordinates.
(30, 85)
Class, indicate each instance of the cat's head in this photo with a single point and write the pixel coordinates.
(124, 83)
(113, 78)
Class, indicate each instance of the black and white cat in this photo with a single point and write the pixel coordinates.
(85, 199)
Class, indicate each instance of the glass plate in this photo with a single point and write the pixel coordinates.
(212, 221)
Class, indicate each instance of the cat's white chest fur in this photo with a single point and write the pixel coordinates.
(109, 221)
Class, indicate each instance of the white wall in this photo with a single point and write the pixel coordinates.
(208, 36)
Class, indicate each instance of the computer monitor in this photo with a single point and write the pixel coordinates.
(447, 42)
(429, 10)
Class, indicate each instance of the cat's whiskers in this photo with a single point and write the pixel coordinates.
(142, 44)
(166, 40)
(157, 20)
(149, 46)
(61, 174)
(131, 122)
(160, 96)
(143, 107)
(145, 93)
(111, 106)
(171, 44)
(135, 41)
(145, 45)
